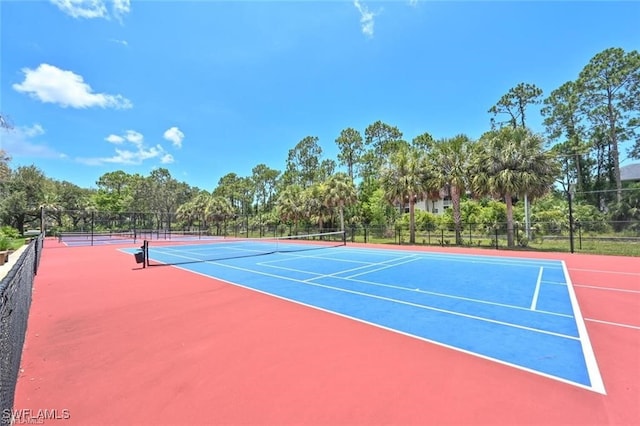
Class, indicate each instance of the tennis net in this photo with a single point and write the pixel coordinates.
(162, 252)
(90, 237)
(165, 234)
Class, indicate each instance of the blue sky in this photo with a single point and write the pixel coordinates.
(205, 88)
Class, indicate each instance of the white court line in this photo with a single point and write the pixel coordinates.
(295, 255)
(409, 259)
(203, 250)
(319, 275)
(607, 288)
(617, 324)
(595, 378)
(450, 296)
(470, 258)
(299, 255)
(328, 255)
(599, 271)
(536, 292)
(553, 282)
(384, 254)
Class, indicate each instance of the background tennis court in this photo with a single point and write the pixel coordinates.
(513, 347)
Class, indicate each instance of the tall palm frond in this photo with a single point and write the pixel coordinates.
(405, 180)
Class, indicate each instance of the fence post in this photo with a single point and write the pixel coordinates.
(92, 217)
(578, 225)
(496, 238)
(42, 218)
(570, 197)
(36, 248)
(442, 238)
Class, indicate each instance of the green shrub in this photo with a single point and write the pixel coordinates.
(5, 243)
(9, 232)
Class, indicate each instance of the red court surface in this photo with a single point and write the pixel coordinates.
(114, 344)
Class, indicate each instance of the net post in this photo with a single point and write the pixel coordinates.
(344, 237)
(145, 253)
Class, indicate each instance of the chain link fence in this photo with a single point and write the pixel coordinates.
(606, 237)
(621, 238)
(15, 299)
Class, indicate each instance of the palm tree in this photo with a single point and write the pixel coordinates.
(290, 204)
(449, 162)
(218, 210)
(627, 211)
(405, 180)
(340, 193)
(194, 210)
(187, 213)
(200, 203)
(315, 207)
(509, 162)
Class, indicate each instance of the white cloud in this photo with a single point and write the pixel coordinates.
(128, 157)
(90, 9)
(366, 18)
(114, 139)
(135, 155)
(167, 159)
(33, 131)
(22, 142)
(118, 41)
(134, 137)
(175, 136)
(50, 84)
(121, 7)
(82, 8)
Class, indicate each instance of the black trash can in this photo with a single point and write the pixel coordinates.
(139, 255)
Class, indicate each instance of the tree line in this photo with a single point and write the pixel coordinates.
(378, 173)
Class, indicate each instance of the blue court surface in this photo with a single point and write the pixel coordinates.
(518, 312)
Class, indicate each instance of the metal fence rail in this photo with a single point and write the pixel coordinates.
(602, 237)
(15, 301)
(564, 234)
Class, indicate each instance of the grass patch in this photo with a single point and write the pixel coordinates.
(606, 246)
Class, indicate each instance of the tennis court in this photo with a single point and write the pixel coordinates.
(518, 312)
(318, 332)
